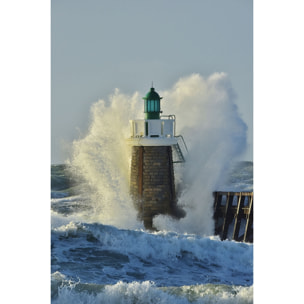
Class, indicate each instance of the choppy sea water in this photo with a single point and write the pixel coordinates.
(93, 262)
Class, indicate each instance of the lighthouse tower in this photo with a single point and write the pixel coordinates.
(155, 148)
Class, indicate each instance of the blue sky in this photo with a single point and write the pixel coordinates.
(97, 46)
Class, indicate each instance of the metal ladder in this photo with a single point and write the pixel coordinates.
(178, 151)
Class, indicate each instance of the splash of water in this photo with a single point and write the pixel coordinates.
(102, 159)
(208, 119)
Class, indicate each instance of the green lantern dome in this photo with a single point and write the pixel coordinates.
(152, 105)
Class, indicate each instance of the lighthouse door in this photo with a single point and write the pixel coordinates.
(154, 128)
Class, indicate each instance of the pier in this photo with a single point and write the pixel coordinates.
(233, 215)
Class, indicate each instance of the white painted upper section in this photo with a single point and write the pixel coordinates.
(153, 132)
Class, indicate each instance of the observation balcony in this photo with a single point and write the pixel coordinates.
(153, 132)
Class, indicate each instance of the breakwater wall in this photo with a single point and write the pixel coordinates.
(233, 215)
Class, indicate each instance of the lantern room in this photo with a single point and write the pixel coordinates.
(155, 129)
(152, 105)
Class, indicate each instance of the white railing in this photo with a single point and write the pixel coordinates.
(164, 128)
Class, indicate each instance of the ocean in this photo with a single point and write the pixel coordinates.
(101, 253)
(94, 260)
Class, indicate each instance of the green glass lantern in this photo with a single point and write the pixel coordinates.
(152, 105)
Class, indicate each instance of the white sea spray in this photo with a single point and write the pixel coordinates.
(148, 293)
(208, 119)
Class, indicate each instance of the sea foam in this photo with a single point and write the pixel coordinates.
(146, 293)
(162, 247)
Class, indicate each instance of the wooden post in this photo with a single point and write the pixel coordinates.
(248, 229)
(238, 217)
(227, 216)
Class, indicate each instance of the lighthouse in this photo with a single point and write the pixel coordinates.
(155, 150)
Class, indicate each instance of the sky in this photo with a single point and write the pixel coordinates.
(100, 45)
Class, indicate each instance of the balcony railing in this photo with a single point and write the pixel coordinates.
(163, 128)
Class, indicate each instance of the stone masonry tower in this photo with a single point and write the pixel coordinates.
(154, 145)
